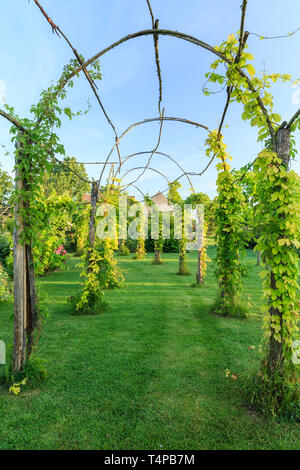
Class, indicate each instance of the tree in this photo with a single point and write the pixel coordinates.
(65, 181)
(6, 186)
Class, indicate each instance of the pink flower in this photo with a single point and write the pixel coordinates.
(60, 251)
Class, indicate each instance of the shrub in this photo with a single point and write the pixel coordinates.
(89, 300)
(5, 288)
(5, 249)
(51, 256)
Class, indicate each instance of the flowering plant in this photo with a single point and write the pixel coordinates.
(60, 251)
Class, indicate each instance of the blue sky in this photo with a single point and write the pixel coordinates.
(31, 57)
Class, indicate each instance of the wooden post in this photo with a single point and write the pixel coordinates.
(32, 321)
(157, 257)
(25, 299)
(201, 234)
(275, 347)
(182, 263)
(94, 198)
(20, 278)
(283, 137)
(199, 275)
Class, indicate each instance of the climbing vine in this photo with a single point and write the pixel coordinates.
(36, 148)
(277, 193)
(156, 229)
(179, 225)
(140, 251)
(229, 236)
(90, 299)
(276, 196)
(38, 144)
(199, 201)
(110, 274)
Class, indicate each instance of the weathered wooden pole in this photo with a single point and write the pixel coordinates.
(25, 298)
(32, 320)
(199, 275)
(92, 227)
(283, 137)
(157, 256)
(94, 198)
(275, 347)
(201, 240)
(20, 278)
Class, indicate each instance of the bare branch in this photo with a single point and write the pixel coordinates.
(154, 150)
(151, 12)
(147, 32)
(186, 121)
(276, 37)
(140, 168)
(25, 131)
(293, 119)
(140, 191)
(241, 38)
(155, 24)
(156, 50)
(70, 169)
(93, 86)
(242, 42)
(193, 40)
(164, 155)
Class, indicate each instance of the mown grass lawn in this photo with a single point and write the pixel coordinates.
(147, 374)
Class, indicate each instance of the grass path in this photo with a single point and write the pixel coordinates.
(147, 374)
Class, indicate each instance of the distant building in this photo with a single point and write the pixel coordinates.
(86, 197)
(161, 202)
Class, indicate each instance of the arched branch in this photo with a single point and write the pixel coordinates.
(288, 35)
(293, 119)
(193, 40)
(140, 168)
(145, 121)
(155, 148)
(140, 191)
(164, 155)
